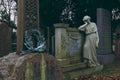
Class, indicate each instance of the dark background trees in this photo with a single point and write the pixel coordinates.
(67, 11)
(72, 11)
(8, 12)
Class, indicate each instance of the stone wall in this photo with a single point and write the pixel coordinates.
(5, 39)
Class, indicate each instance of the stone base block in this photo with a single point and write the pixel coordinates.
(106, 59)
(72, 67)
(63, 61)
(80, 72)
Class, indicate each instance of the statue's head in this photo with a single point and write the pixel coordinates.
(86, 18)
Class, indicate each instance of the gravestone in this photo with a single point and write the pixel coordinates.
(117, 41)
(68, 51)
(104, 29)
(5, 39)
(105, 55)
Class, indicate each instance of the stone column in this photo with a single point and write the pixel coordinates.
(28, 18)
(20, 24)
(104, 29)
(60, 40)
(117, 41)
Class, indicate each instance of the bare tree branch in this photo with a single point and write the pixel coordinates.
(7, 11)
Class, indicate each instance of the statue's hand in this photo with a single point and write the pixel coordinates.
(97, 44)
(85, 23)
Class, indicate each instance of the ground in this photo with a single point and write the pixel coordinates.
(110, 72)
(110, 69)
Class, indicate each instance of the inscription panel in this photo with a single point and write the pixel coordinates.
(74, 45)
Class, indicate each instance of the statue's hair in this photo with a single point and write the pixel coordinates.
(86, 17)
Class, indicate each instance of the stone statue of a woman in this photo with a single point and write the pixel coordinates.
(91, 41)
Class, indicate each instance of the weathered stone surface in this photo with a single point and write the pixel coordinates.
(34, 66)
(74, 45)
(5, 39)
(6, 64)
(117, 42)
(60, 40)
(68, 44)
(104, 30)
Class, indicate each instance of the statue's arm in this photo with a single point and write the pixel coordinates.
(82, 27)
(97, 36)
(97, 39)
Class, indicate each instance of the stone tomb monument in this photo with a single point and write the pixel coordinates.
(68, 50)
(68, 44)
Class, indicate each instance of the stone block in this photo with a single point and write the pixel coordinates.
(5, 39)
(106, 59)
(33, 66)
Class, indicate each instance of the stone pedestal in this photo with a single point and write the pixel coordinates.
(104, 29)
(61, 42)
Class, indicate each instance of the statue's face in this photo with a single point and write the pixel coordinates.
(87, 21)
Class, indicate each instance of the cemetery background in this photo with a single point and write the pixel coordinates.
(47, 18)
